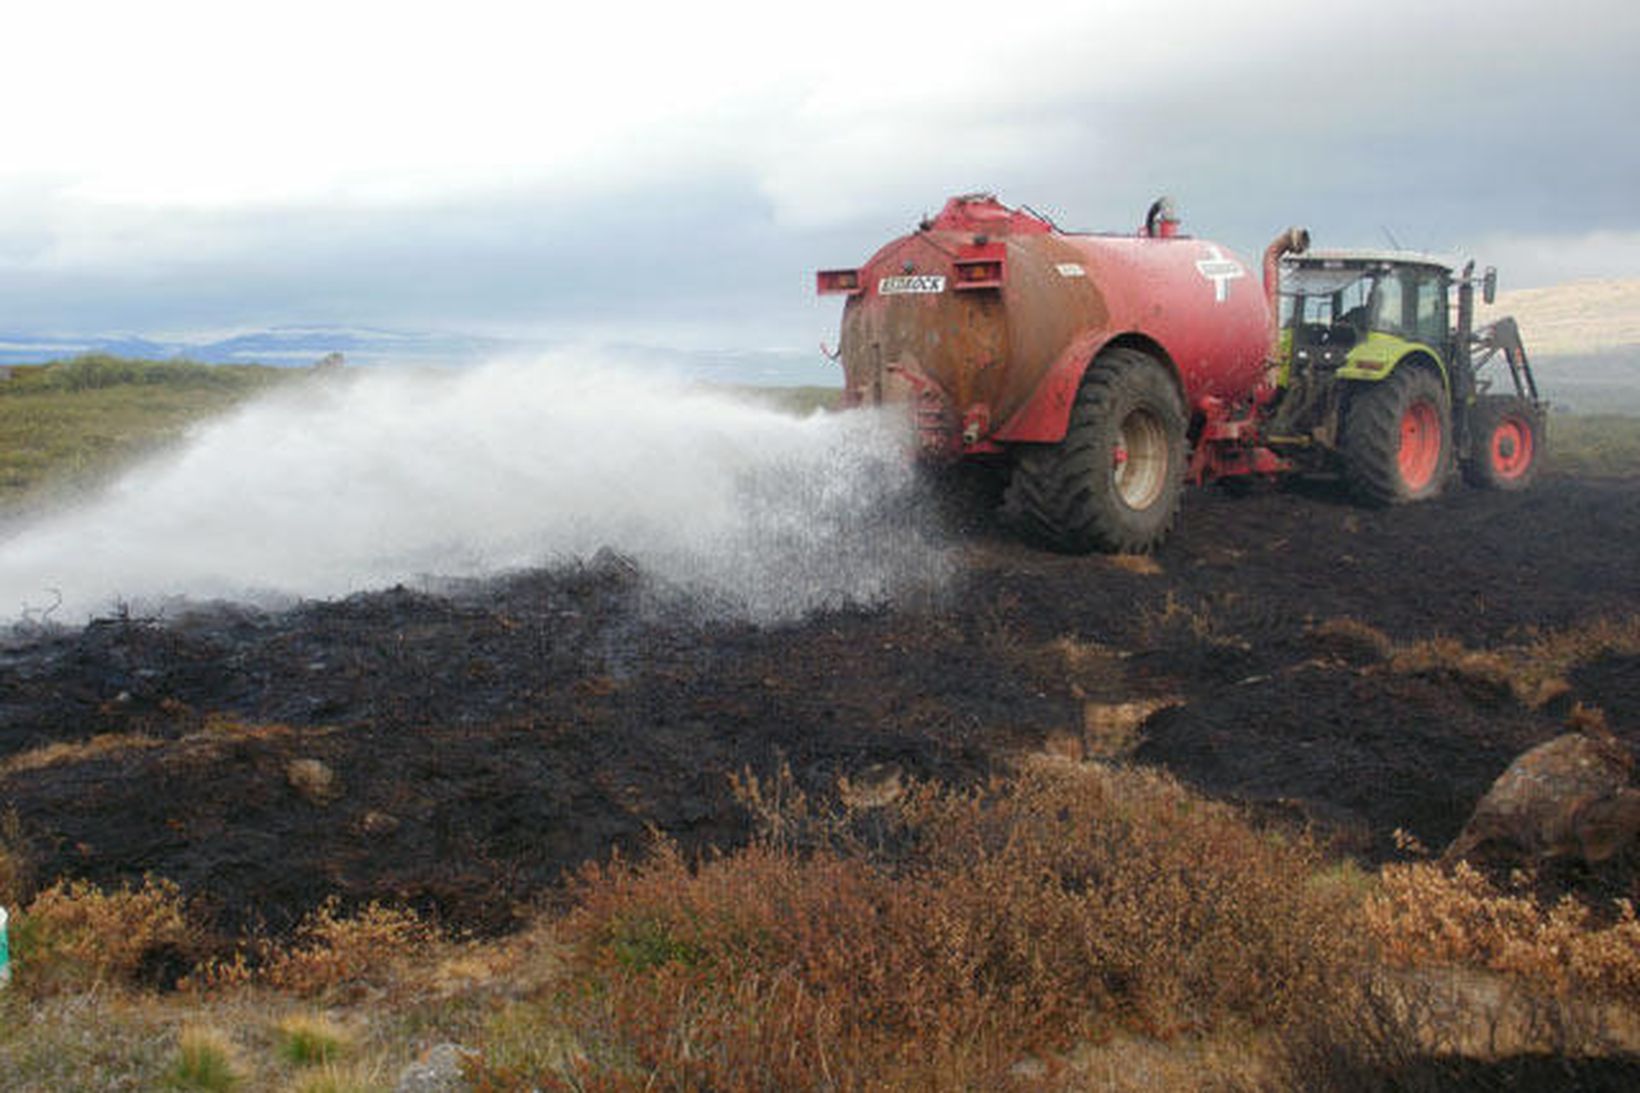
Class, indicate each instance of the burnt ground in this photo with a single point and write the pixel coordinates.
(485, 740)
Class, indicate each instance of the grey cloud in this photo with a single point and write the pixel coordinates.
(687, 254)
(1466, 131)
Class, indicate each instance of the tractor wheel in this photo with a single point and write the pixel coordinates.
(1397, 437)
(1113, 483)
(1506, 438)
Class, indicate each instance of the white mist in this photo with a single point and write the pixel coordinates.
(391, 477)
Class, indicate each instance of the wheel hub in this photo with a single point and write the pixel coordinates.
(1420, 452)
(1511, 448)
(1139, 460)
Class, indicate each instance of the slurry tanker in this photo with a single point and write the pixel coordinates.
(1102, 372)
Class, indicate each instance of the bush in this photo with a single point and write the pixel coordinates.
(76, 935)
(1069, 904)
(337, 954)
(1424, 916)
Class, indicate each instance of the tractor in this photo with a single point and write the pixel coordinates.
(1377, 373)
(1101, 372)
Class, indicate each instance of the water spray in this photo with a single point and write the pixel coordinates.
(382, 478)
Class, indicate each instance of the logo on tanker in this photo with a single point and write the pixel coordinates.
(1221, 271)
(926, 282)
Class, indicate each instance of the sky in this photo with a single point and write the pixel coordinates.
(672, 174)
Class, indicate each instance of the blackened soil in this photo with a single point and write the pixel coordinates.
(488, 739)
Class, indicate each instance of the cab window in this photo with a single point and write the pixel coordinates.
(1389, 305)
(1432, 309)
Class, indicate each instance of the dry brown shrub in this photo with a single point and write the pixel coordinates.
(76, 935)
(1063, 906)
(1590, 720)
(347, 955)
(1474, 970)
(1351, 638)
(1534, 672)
(1587, 642)
(1424, 916)
(78, 751)
(1177, 620)
(1111, 730)
(334, 955)
(1121, 887)
(1533, 682)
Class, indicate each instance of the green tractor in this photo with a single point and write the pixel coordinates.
(1378, 370)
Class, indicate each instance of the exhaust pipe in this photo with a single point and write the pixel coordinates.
(1291, 241)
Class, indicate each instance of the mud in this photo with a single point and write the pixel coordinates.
(487, 738)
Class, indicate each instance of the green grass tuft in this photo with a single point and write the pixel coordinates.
(205, 1060)
(310, 1040)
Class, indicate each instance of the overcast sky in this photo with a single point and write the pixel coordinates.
(671, 174)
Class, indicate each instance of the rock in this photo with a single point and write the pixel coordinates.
(314, 780)
(378, 823)
(437, 1071)
(1569, 797)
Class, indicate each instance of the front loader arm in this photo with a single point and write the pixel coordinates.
(1503, 336)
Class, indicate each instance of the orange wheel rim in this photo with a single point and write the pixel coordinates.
(1511, 448)
(1420, 452)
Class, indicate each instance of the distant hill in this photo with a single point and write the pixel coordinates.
(297, 346)
(1578, 318)
(1584, 341)
(303, 346)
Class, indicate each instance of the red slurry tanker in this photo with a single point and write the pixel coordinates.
(1103, 371)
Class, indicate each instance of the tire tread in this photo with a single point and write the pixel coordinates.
(1055, 493)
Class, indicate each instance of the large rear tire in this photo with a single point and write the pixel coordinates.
(1113, 483)
(1506, 443)
(1397, 437)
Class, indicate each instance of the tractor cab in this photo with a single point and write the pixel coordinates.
(1354, 314)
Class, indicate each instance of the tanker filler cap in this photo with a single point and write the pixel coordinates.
(1162, 219)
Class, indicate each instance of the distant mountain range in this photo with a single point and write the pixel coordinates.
(295, 346)
(303, 346)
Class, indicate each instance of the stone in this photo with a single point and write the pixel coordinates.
(1568, 797)
(437, 1071)
(314, 780)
